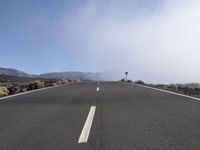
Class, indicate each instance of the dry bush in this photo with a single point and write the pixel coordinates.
(59, 82)
(4, 91)
(35, 85)
(54, 84)
(65, 81)
(77, 80)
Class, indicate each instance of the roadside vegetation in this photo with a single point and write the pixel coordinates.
(3, 91)
(10, 85)
(187, 89)
(124, 80)
(191, 89)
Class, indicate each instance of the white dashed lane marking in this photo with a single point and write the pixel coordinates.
(87, 127)
(98, 88)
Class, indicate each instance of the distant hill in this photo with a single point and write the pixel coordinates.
(13, 72)
(52, 75)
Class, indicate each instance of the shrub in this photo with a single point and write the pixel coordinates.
(53, 84)
(23, 90)
(64, 81)
(122, 80)
(140, 82)
(59, 82)
(14, 89)
(172, 86)
(4, 91)
(77, 80)
(35, 85)
(130, 81)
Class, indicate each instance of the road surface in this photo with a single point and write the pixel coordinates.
(99, 116)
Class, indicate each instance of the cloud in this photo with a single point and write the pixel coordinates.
(156, 43)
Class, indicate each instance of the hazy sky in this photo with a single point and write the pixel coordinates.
(157, 41)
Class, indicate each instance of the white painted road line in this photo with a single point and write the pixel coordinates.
(88, 124)
(98, 88)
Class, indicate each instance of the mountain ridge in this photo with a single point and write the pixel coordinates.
(54, 75)
(13, 72)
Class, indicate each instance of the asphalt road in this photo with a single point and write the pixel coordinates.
(127, 117)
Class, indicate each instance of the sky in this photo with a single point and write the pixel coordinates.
(156, 41)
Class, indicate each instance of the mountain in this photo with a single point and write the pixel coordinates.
(71, 75)
(53, 75)
(13, 72)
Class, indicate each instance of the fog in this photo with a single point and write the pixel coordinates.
(155, 41)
